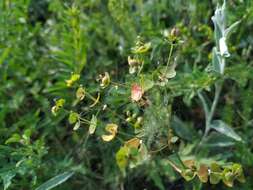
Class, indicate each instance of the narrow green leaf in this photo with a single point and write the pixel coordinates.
(55, 181)
(93, 124)
(216, 61)
(223, 128)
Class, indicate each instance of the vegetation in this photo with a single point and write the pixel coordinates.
(116, 94)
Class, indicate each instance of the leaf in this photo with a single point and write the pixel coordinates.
(156, 177)
(72, 80)
(142, 48)
(13, 139)
(167, 72)
(7, 177)
(112, 130)
(188, 174)
(77, 125)
(93, 124)
(228, 177)
(73, 117)
(96, 101)
(223, 47)
(105, 80)
(231, 28)
(80, 93)
(60, 102)
(181, 129)
(189, 164)
(146, 84)
(4, 55)
(133, 143)
(215, 139)
(216, 61)
(238, 171)
(203, 173)
(55, 181)
(223, 128)
(122, 157)
(215, 173)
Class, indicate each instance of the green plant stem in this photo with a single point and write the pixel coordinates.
(218, 88)
(169, 58)
(204, 104)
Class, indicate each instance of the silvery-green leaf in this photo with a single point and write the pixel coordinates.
(168, 72)
(93, 124)
(223, 47)
(223, 128)
(76, 126)
(216, 61)
(6, 178)
(147, 83)
(219, 20)
(55, 181)
(231, 28)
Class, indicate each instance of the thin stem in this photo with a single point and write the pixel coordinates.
(169, 58)
(218, 87)
(204, 104)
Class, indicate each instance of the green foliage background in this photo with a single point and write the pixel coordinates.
(43, 41)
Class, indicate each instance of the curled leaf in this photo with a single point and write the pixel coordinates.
(73, 117)
(142, 48)
(133, 143)
(215, 173)
(189, 164)
(96, 101)
(54, 110)
(72, 80)
(188, 174)
(105, 80)
(80, 93)
(133, 62)
(122, 157)
(77, 125)
(112, 130)
(58, 105)
(134, 65)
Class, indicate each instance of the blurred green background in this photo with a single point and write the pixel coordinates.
(43, 41)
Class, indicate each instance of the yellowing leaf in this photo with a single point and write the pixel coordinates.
(215, 174)
(80, 93)
(188, 174)
(189, 163)
(96, 101)
(122, 157)
(72, 80)
(143, 48)
(112, 130)
(133, 143)
(58, 105)
(73, 117)
(203, 173)
(228, 177)
(105, 81)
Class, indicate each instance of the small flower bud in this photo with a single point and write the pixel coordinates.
(174, 32)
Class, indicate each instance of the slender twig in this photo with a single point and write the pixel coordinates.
(169, 58)
(204, 104)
